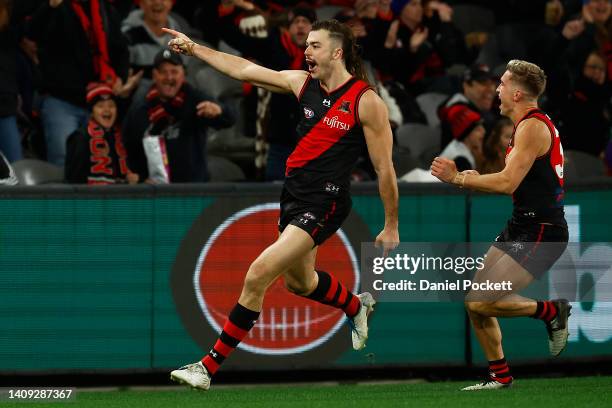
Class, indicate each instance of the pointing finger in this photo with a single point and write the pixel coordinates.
(171, 32)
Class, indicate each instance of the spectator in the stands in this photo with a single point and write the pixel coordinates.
(468, 134)
(282, 48)
(11, 16)
(165, 132)
(495, 146)
(597, 34)
(418, 49)
(369, 21)
(143, 29)
(585, 115)
(478, 94)
(78, 42)
(95, 154)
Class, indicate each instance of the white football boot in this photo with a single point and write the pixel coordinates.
(557, 327)
(488, 384)
(359, 322)
(194, 375)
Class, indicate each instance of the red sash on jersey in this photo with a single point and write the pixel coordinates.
(334, 125)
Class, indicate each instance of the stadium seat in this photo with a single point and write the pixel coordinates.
(429, 102)
(228, 49)
(580, 165)
(499, 70)
(489, 53)
(471, 18)
(232, 143)
(457, 70)
(216, 84)
(420, 139)
(328, 12)
(31, 172)
(403, 161)
(221, 169)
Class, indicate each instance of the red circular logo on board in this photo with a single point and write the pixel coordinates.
(288, 323)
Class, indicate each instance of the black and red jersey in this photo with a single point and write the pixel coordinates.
(539, 197)
(330, 139)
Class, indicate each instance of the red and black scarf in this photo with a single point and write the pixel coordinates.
(107, 155)
(164, 113)
(295, 52)
(93, 26)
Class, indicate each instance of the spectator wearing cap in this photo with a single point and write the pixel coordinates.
(143, 29)
(79, 41)
(95, 154)
(179, 115)
(478, 93)
(468, 134)
(282, 49)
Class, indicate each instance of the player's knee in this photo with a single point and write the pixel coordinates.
(255, 280)
(474, 307)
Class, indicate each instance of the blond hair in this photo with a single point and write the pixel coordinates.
(528, 76)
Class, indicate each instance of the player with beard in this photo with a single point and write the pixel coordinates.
(535, 236)
(341, 115)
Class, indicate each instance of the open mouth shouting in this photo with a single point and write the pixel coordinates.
(106, 119)
(312, 65)
(168, 89)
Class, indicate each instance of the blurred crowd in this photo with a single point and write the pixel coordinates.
(90, 87)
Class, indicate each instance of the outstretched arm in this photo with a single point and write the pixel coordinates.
(532, 139)
(239, 68)
(375, 121)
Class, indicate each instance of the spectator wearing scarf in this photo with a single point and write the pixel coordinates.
(279, 49)
(95, 154)
(79, 41)
(179, 115)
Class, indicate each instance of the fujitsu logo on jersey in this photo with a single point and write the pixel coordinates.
(334, 123)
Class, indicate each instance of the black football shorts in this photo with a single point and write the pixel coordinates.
(319, 218)
(536, 247)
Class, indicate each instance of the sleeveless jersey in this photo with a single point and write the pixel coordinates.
(330, 140)
(539, 197)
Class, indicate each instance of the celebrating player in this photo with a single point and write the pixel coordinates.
(341, 114)
(534, 176)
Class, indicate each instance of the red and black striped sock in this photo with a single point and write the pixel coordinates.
(238, 324)
(332, 292)
(499, 371)
(545, 310)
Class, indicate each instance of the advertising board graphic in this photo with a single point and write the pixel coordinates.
(211, 265)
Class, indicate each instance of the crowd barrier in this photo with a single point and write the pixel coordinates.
(140, 278)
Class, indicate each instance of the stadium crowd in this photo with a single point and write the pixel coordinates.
(90, 86)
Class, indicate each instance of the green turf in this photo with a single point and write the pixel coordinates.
(526, 393)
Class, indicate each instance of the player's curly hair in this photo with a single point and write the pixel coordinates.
(529, 76)
(350, 50)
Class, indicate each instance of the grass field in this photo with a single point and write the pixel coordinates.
(526, 393)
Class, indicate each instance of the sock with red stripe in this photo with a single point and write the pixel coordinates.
(332, 292)
(499, 371)
(545, 310)
(238, 324)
